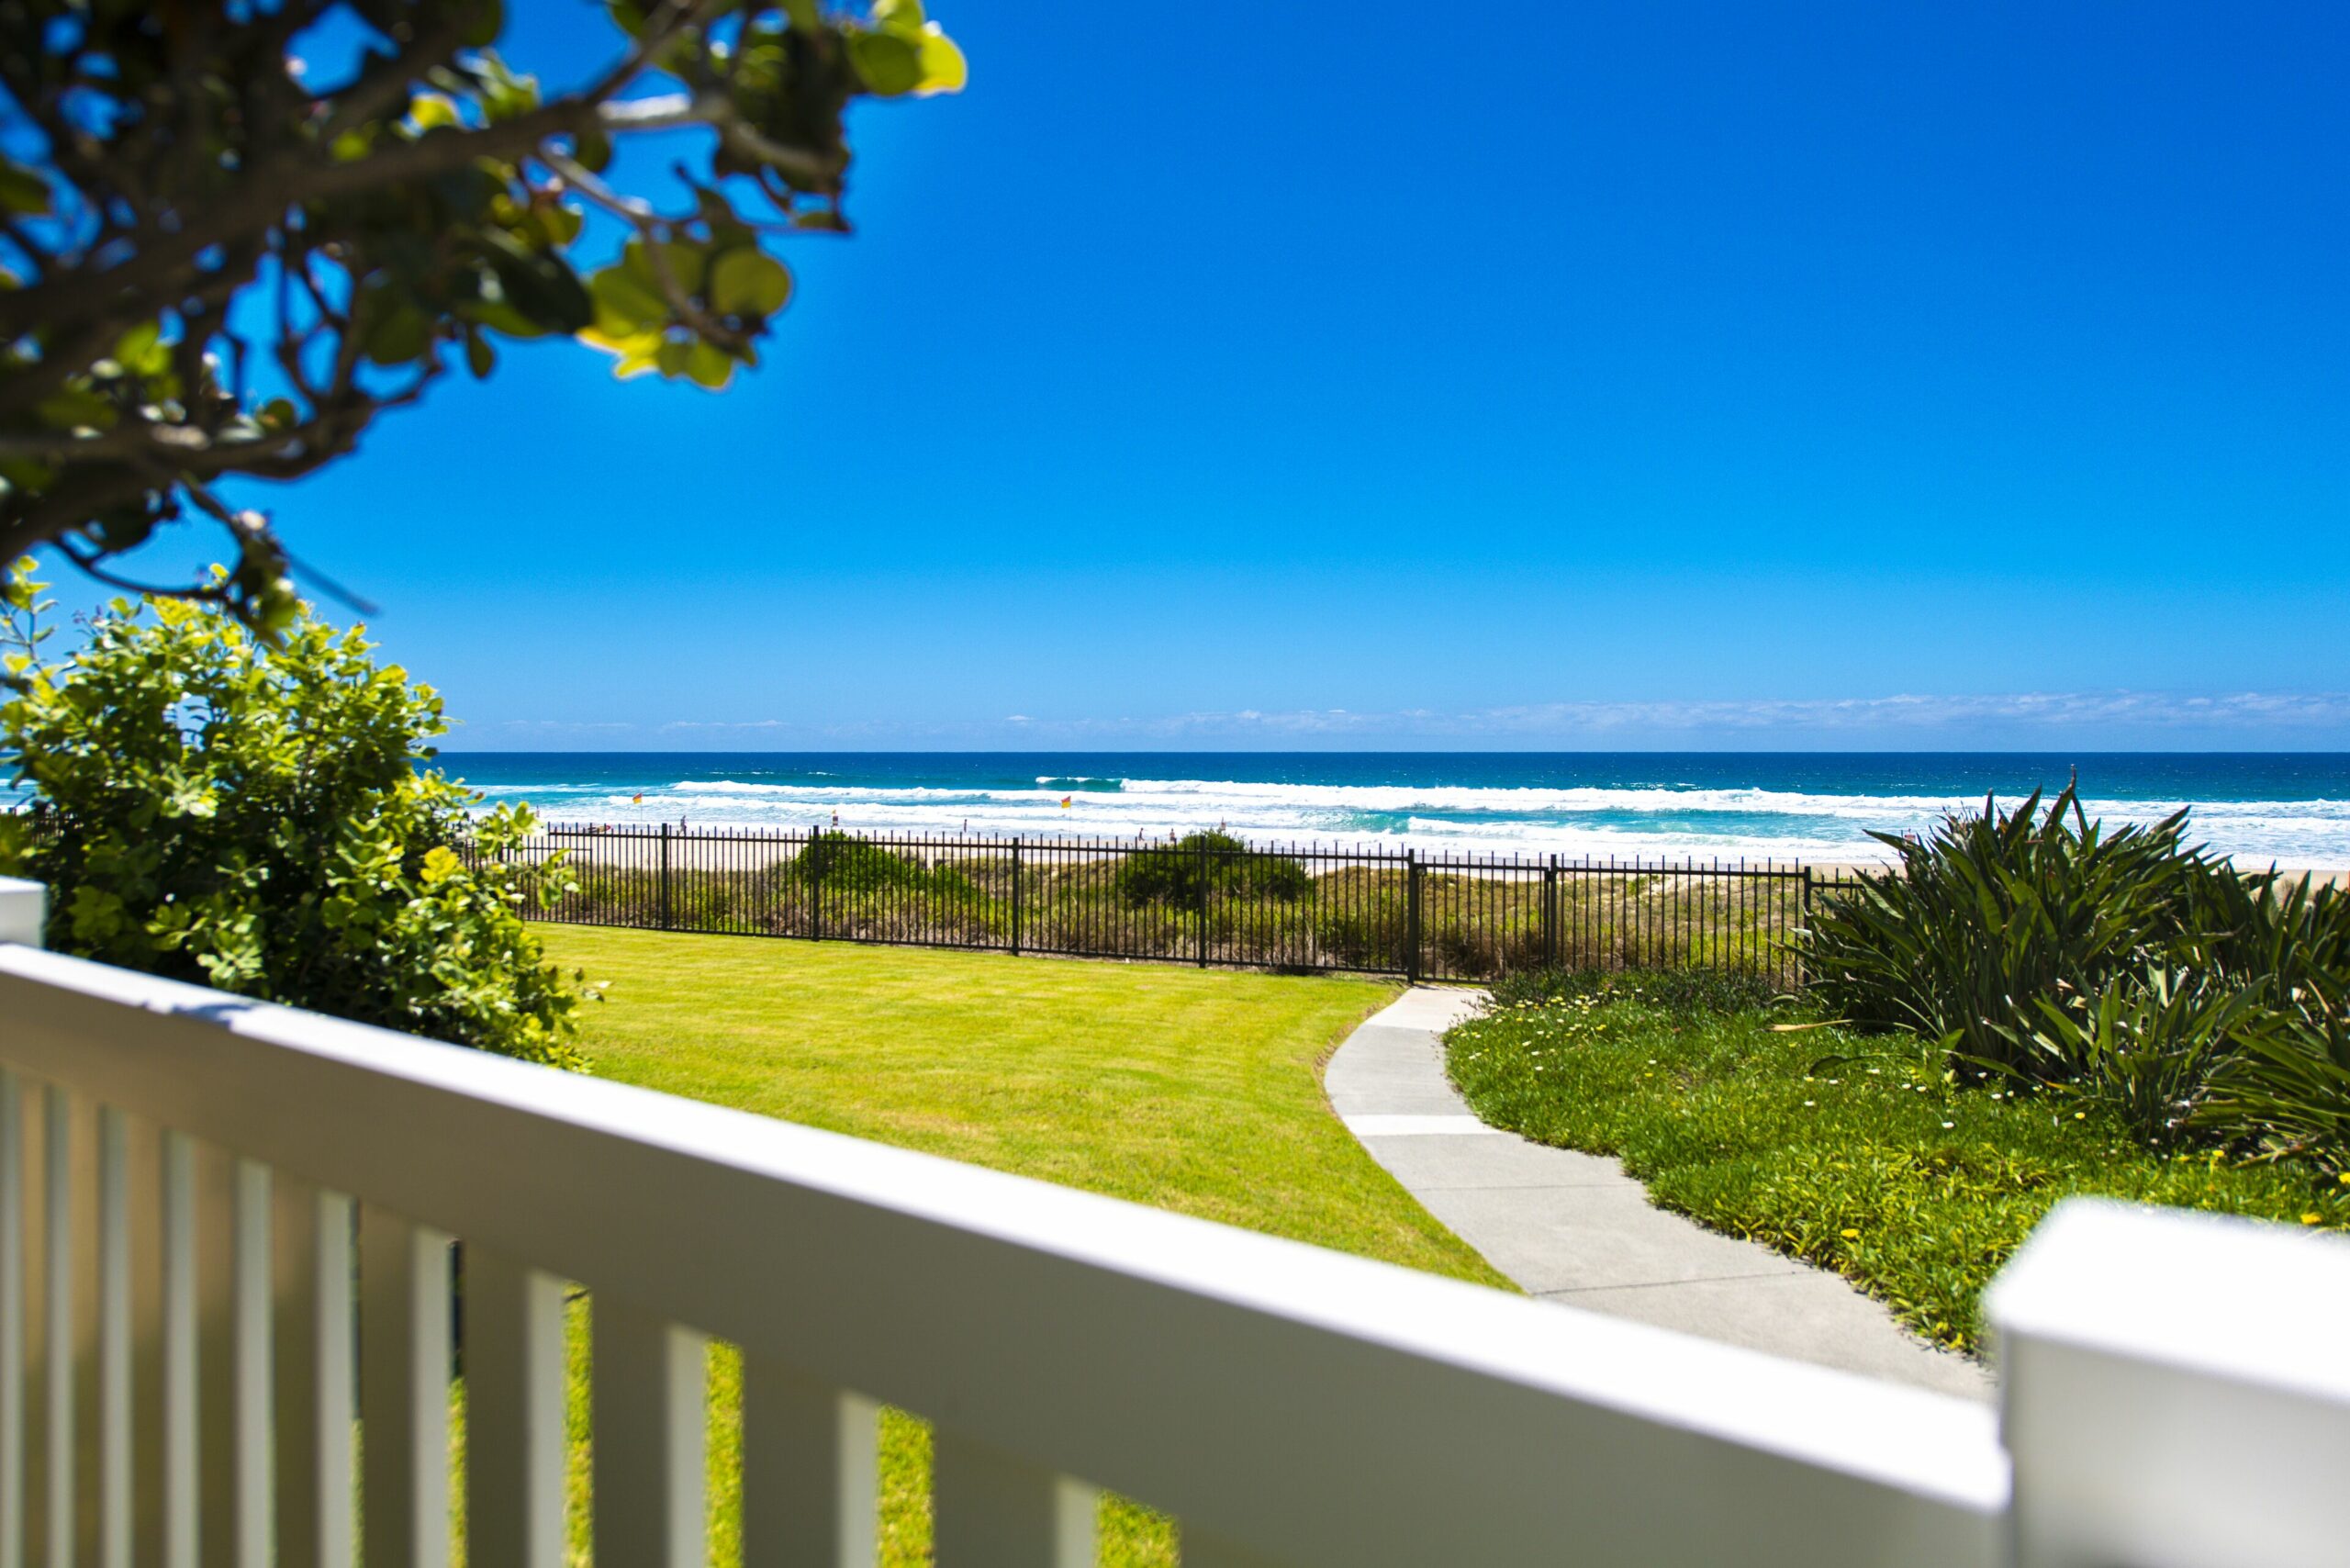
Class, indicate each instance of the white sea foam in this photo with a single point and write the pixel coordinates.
(1576, 823)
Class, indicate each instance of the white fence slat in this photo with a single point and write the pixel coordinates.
(181, 1499)
(57, 1278)
(2176, 1391)
(13, 1305)
(996, 1510)
(24, 907)
(215, 1348)
(811, 1462)
(514, 1412)
(250, 1364)
(89, 1440)
(142, 1174)
(32, 1124)
(651, 1478)
(313, 1325)
(114, 1325)
(1037, 1320)
(404, 1391)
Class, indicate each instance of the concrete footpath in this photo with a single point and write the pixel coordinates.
(1574, 1228)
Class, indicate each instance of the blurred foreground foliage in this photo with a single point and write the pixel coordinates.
(214, 808)
(217, 263)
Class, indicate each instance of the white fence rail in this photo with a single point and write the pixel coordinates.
(200, 1196)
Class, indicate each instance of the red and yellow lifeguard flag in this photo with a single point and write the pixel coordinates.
(1066, 799)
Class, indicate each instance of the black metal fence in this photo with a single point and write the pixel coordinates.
(1456, 916)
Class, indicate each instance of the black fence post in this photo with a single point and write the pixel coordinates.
(814, 882)
(1550, 913)
(665, 876)
(1412, 917)
(1200, 943)
(1015, 898)
(1803, 926)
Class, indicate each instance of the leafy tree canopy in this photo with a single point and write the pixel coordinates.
(250, 815)
(213, 267)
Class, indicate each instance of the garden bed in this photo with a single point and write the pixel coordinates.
(1862, 1154)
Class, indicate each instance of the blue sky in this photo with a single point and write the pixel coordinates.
(1614, 373)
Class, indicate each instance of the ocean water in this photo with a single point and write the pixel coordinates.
(2292, 809)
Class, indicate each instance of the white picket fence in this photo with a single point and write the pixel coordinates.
(200, 1196)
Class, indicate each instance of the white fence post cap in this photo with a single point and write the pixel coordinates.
(2174, 1389)
(24, 909)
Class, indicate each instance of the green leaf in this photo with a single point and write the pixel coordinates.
(26, 474)
(944, 69)
(499, 315)
(480, 358)
(400, 335)
(636, 354)
(140, 351)
(22, 190)
(505, 93)
(887, 63)
(710, 365)
(489, 19)
(898, 16)
(624, 303)
(430, 109)
(542, 287)
(748, 282)
(73, 407)
(684, 261)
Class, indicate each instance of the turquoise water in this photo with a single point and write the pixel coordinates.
(2292, 808)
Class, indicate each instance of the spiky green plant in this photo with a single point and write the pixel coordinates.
(1989, 913)
(2127, 967)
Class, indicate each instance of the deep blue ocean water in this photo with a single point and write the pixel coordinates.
(2292, 808)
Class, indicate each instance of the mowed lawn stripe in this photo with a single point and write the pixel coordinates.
(1198, 1091)
(1190, 1089)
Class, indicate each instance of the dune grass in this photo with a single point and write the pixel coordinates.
(1195, 1091)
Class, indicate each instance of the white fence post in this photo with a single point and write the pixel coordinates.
(2176, 1391)
(24, 909)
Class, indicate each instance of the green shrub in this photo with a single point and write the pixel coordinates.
(848, 863)
(2147, 1045)
(2126, 969)
(251, 817)
(2286, 1084)
(1989, 913)
(1214, 863)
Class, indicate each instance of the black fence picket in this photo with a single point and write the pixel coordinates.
(1445, 916)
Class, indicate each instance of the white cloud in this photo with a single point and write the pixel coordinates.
(552, 726)
(726, 724)
(2048, 714)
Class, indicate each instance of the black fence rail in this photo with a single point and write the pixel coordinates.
(1438, 917)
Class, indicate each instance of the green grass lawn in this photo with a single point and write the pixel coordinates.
(1190, 1089)
(1875, 1164)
